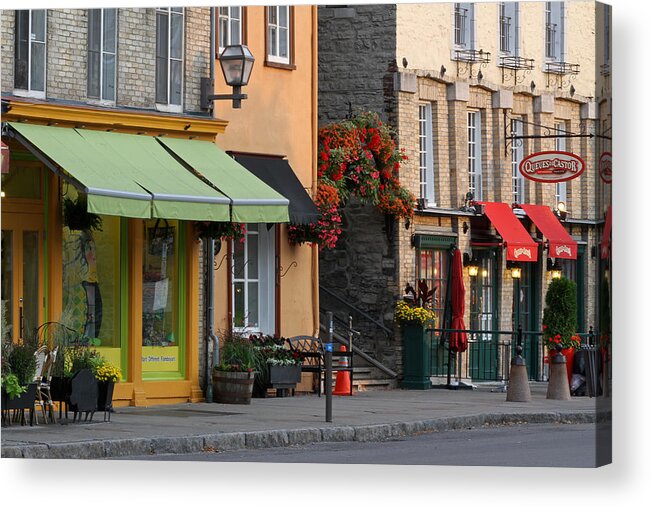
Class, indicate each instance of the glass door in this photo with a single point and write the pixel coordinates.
(22, 275)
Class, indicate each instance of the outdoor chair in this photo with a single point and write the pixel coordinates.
(43, 394)
(311, 351)
(41, 354)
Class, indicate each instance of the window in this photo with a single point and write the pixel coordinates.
(29, 52)
(474, 154)
(433, 265)
(169, 57)
(517, 154)
(554, 31)
(482, 292)
(426, 157)
(163, 316)
(230, 27)
(278, 34)
(463, 25)
(93, 288)
(509, 42)
(607, 39)
(561, 145)
(253, 271)
(102, 53)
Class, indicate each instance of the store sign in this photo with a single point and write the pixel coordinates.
(606, 167)
(552, 166)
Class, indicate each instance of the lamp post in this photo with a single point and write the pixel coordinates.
(236, 63)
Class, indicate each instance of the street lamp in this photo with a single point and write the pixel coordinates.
(236, 63)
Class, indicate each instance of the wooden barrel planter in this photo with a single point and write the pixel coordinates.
(232, 387)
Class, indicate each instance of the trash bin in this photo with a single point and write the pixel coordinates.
(592, 370)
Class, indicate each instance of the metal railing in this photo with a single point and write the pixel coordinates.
(489, 353)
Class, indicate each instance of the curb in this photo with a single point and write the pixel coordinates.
(106, 449)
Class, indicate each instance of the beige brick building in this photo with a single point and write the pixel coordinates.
(473, 89)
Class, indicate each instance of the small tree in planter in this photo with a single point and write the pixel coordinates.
(560, 322)
(18, 371)
(559, 315)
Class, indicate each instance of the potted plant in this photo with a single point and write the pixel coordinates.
(77, 217)
(233, 376)
(17, 377)
(107, 375)
(79, 366)
(414, 314)
(279, 367)
(560, 322)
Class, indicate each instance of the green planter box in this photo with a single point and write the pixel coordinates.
(416, 358)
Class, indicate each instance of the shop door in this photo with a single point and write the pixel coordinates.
(22, 274)
(483, 316)
(526, 311)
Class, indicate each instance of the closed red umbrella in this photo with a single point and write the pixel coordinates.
(458, 339)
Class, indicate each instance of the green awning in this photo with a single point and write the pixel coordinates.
(127, 175)
(176, 192)
(109, 191)
(253, 201)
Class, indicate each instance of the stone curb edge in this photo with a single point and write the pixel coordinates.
(281, 438)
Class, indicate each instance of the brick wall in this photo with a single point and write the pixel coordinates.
(67, 60)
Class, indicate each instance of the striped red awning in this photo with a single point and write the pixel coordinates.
(561, 244)
(519, 244)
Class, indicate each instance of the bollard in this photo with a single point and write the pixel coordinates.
(559, 386)
(518, 388)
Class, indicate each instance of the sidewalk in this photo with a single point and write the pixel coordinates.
(272, 422)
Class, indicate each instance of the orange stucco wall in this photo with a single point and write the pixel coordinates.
(277, 118)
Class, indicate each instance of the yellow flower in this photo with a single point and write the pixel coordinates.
(407, 314)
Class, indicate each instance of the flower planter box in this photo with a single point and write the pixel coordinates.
(23, 402)
(83, 394)
(105, 397)
(416, 357)
(280, 378)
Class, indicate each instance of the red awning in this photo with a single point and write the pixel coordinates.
(605, 237)
(561, 244)
(520, 246)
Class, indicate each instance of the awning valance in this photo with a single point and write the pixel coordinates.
(561, 244)
(605, 236)
(253, 201)
(279, 175)
(124, 174)
(520, 246)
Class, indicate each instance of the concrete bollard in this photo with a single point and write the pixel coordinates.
(559, 387)
(518, 388)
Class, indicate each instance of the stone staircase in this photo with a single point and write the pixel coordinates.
(369, 378)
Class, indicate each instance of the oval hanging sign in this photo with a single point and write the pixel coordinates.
(606, 167)
(552, 166)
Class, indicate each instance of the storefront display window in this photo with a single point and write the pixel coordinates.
(161, 317)
(93, 300)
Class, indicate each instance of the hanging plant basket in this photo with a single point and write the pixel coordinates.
(77, 217)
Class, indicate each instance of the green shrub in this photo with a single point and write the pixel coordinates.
(560, 313)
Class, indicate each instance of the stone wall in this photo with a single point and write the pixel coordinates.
(357, 65)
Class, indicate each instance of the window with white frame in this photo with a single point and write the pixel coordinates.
(425, 151)
(607, 39)
(554, 31)
(464, 14)
(30, 52)
(474, 154)
(278, 34)
(169, 57)
(102, 53)
(509, 28)
(230, 27)
(561, 145)
(253, 279)
(517, 154)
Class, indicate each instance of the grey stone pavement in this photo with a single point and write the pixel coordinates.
(294, 420)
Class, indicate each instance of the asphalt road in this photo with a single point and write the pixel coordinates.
(522, 445)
